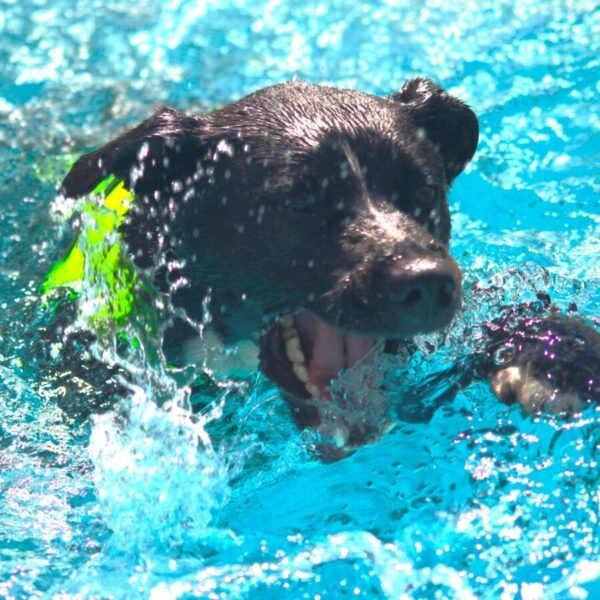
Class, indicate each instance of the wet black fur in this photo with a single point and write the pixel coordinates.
(263, 201)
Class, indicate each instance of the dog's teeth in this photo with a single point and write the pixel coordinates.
(313, 390)
(340, 436)
(296, 357)
(293, 350)
(287, 321)
(288, 333)
(300, 372)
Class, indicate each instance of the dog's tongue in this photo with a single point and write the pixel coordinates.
(332, 350)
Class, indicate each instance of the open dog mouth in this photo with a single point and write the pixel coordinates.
(303, 354)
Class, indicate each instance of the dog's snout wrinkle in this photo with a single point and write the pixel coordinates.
(381, 222)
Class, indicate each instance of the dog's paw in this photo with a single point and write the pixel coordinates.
(514, 384)
(548, 363)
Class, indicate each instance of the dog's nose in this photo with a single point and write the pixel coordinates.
(424, 293)
(437, 290)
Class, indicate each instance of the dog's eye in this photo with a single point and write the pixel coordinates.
(426, 195)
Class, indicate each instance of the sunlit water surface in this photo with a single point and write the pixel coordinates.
(479, 502)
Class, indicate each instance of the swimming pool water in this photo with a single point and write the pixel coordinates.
(480, 502)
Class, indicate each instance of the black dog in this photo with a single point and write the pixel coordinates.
(315, 218)
(315, 221)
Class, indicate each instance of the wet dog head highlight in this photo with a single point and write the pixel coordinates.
(316, 219)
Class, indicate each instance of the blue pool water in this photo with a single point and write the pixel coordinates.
(478, 503)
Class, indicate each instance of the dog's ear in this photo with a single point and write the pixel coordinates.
(150, 145)
(449, 123)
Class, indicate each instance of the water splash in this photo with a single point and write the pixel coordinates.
(394, 571)
(146, 461)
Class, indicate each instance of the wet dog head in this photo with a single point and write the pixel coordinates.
(325, 207)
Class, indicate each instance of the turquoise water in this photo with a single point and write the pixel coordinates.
(480, 502)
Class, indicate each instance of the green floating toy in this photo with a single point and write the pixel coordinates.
(115, 302)
(96, 266)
